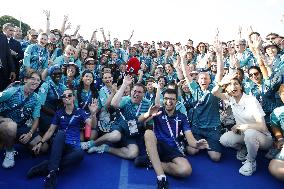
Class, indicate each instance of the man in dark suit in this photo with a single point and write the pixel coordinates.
(7, 67)
(15, 47)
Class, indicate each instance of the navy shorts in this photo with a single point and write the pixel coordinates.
(166, 152)
(211, 135)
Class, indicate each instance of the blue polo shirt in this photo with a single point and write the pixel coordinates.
(205, 113)
(14, 105)
(162, 131)
(71, 124)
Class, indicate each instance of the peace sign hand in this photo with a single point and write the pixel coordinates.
(93, 107)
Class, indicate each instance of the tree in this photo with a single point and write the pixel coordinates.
(9, 19)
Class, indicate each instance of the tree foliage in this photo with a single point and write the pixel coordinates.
(9, 19)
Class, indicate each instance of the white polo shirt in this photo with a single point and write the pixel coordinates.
(246, 109)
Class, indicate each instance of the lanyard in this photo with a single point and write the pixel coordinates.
(138, 110)
(169, 127)
(54, 90)
(87, 100)
(70, 121)
(179, 146)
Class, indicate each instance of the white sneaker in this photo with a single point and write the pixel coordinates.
(86, 145)
(9, 160)
(248, 168)
(99, 149)
(242, 153)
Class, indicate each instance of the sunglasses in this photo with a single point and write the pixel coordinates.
(67, 95)
(255, 74)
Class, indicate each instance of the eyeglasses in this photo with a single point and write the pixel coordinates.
(254, 74)
(67, 95)
(170, 99)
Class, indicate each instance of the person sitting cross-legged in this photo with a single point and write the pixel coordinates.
(127, 129)
(162, 144)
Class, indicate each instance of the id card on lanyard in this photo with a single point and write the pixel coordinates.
(180, 146)
(132, 124)
(70, 121)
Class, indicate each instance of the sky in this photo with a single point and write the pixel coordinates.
(158, 20)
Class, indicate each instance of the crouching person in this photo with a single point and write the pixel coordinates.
(276, 165)
(19, 116)
(65, 149)
(164, 150)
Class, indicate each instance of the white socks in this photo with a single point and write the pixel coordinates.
(160, 177)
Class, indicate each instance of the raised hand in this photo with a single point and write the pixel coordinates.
(66, 17)
(78, 27)
(218, 48)
(227, 78)
(240, 31)
(47, 14)
(127, 80)
(257, 42)
(155, 85)
(153, 111)
(113, 88)
(93, 107)
(68, 26)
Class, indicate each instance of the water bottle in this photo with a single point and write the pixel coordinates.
(88, 131)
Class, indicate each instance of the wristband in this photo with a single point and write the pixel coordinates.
(40, 142)
(30, 133)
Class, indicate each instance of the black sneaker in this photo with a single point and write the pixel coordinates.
(51, 180)
(38, 170)
(143, 161)
(162, 184)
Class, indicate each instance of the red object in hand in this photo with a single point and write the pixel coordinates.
(133, 65)
(88, 131)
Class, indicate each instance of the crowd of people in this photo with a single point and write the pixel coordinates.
(154, 103)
